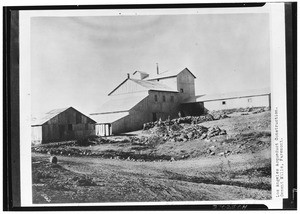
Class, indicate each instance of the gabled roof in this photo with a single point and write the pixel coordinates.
(141, 72)
(155, 86)
(148, 85)
(230, 95)
(121, 103)
(168, 74)
(49, 115)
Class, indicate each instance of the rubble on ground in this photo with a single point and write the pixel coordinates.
(180, 120)
(108, 154)
(211, 115)
(178, 132)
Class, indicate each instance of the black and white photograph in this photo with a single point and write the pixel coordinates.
(150, 105)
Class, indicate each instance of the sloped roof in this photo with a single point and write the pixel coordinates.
(40, 120)
(154, 85)
(167, 74)
(47, 116)
(121, 103)
(109, 117)
(141, 72)
(148, 85)
(230, 95)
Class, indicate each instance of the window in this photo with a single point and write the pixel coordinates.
(155, 98)
(223, 102)
(250, 100)
(164, 98)
(181, 90)
(172, 99)
(70, 128)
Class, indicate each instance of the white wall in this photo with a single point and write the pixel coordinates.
(103, 130)
(244, 102)
(36, 135)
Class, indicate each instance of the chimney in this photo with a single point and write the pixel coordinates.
(128, 76)
(157, 69)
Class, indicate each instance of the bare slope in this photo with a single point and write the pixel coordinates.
(227, 167)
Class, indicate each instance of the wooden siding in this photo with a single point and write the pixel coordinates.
(61, 132)
(186, 81)
(143, 112)
(68, 125)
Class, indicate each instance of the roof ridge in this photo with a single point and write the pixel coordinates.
(44, 119)
(150, 83)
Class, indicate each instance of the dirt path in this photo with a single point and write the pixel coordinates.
(116, 180)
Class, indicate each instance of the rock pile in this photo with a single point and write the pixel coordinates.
(180, 120)
(218, 115)
(178, 133)
(214, 131)
(258, 111)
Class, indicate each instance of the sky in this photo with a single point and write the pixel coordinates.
(77, 61)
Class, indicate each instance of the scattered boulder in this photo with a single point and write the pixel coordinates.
(221, 154)
(177, 121)
(53, 159)
(227, 152)
(203, 136)
(212, 147)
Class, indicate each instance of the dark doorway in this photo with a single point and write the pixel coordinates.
(154, 117)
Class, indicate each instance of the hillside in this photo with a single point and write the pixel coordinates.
(161, 164)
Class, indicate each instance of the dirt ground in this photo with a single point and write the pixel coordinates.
(228, 167)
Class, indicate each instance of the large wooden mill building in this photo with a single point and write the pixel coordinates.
(143, 98)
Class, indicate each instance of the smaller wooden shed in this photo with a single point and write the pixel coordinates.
(60, 125)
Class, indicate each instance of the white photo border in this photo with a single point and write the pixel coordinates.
(278, 96)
